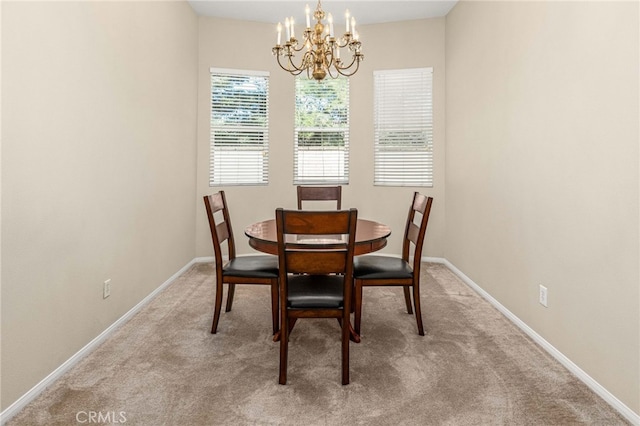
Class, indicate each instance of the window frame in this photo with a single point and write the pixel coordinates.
(403, 119)
(239, 164)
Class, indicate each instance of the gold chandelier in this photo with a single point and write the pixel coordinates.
(321, 48)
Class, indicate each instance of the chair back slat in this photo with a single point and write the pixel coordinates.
(223, 231)
(306, 222)
(320, 193)
(216, 202)
(333, 262)
(220, 231)
(420, 202)
(415, 233)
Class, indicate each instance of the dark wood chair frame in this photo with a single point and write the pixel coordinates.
(297, 261)
(221, 232)
(320, 193)
(413, 234)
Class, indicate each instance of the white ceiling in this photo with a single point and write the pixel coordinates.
(364, 11)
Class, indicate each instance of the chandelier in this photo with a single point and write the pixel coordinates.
(321, 48)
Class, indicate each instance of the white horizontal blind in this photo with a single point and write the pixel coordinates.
(239, 139)
(403, 127)
(321, 148)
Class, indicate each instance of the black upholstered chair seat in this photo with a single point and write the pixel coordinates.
(252, 266)
(381, 267)
(315, 291)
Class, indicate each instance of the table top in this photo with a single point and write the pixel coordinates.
(370, 236)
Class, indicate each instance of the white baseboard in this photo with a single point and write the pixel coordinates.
(618, 405)
(14, 408)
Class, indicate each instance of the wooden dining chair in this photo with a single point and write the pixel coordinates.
(256, 269)
(320, 193)
(379, 270)
(315, 281)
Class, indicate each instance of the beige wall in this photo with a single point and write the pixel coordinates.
(98, 170)
(252, 51)
(542, 172)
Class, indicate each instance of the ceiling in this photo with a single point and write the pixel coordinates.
(364, 11)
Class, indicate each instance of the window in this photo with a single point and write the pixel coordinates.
(239, 140)
(321, 152)
(403, 127)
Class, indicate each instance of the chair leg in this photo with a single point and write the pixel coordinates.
(292, 323)
(358, 306)
(416, 301)
(274, 307)
(407, 299)
(217, 307)
(346, 335)
(230, 293)
(284, 350)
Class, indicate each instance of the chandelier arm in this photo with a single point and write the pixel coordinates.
(346, 40)
(354, 59)
(292, 66)
(295, 70)
(308, 59)
(296, 49)
(340, 70)
(331, 74)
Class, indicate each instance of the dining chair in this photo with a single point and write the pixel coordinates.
(255, 269)
(380, 270)
(320, 193)
(315, 280)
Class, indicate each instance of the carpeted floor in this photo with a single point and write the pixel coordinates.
(473, 367)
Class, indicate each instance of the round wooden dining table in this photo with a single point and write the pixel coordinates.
(370, 236)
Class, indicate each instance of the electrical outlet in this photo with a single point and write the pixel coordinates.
(106, 289)
(543, 295)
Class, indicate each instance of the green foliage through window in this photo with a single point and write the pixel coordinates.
(321, 131)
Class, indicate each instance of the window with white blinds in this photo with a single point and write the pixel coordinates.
(321, 150)
(239, 139)
(403, 127)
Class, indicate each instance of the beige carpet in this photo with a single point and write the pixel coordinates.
(472, 368)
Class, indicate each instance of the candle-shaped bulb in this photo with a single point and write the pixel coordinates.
(330, 20)
(287, 25)
(306, 11)
(353, 25)
(346, 18)
(279, 33)
(293, 34)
